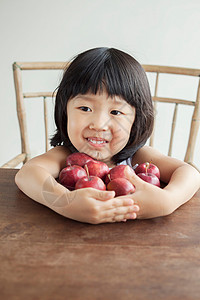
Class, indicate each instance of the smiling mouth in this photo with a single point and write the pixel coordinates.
(97, 141)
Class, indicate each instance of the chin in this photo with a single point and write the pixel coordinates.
(96, 155)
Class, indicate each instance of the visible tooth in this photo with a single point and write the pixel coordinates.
(96, 142)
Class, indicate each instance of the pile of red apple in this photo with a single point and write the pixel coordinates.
(82, 171)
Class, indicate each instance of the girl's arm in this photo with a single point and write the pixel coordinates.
(37, 179)
(182, 181)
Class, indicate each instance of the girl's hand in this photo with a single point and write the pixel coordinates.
(152, 200)
(93, 206)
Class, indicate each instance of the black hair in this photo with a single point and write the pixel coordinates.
(121, 75)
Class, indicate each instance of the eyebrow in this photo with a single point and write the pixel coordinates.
(85, 97)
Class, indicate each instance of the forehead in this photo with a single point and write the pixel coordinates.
(101, 96)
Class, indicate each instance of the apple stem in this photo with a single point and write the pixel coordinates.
(87, 171)
(147, 166)
(109, 177)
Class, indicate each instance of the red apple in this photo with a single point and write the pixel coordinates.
(121, 186)
(148, 168)
(78, 158)
(117, 172)
(150, 178)
(90, 182)
(97, 168)
(70, 175)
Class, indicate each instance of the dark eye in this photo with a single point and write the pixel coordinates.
(116, 112)
(84, 108)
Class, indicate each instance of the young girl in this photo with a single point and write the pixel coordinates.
(104, 109)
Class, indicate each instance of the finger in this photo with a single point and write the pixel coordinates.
(104, 195)
(120, 218)
(119, 209)
(133, 178)
(120, 213)
(124, 210)
(118, 202)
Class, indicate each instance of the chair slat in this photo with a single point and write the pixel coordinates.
(21, 113)
(15, 161)
(41, 65)
(39, 94)
(173, 100)
(195, 124)
(173, 129)
(171, 70)
(151, 141)
(46, 124)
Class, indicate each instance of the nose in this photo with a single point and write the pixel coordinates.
(99, 121)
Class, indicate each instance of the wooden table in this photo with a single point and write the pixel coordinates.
(46, 256)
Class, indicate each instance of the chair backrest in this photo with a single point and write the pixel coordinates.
(21, 96)
(194, 121)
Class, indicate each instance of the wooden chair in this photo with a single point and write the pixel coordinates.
(21, 96)
(195, 104)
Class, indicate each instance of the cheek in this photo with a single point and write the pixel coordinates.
(121, 137)
(122, 131)
(73, 127)
(125, 126)
(71, 124)
(129, 123)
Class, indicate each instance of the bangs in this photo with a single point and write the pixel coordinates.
(104, 71)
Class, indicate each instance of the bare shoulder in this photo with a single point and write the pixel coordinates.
(53, 160)
(150, 154)
(58, 153)
(147, 153)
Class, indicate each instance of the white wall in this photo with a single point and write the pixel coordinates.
(154, 31)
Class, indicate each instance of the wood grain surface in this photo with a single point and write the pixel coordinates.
(46, 256)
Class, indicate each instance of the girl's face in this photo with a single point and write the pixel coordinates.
(99, 125)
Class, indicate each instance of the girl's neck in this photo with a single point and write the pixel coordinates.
(109, 163)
